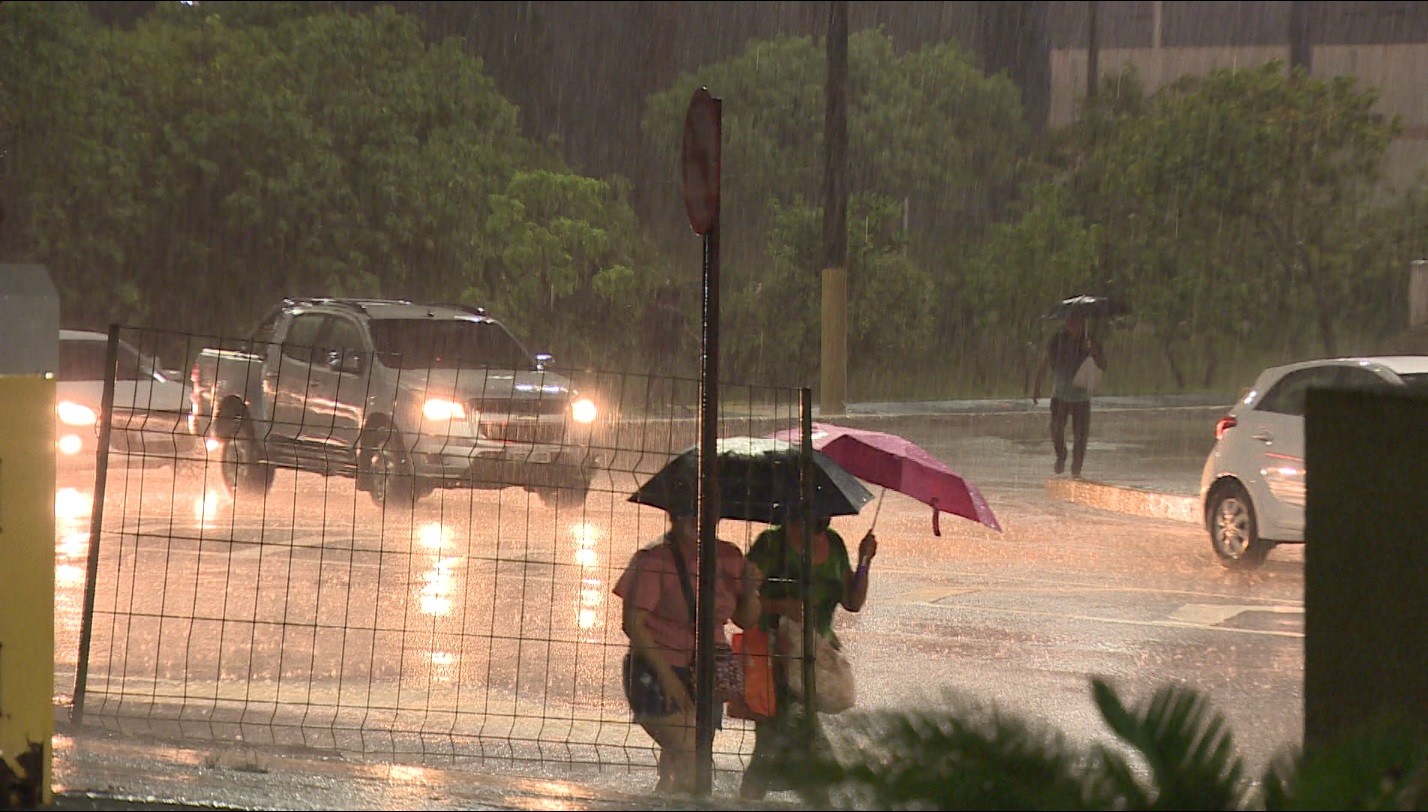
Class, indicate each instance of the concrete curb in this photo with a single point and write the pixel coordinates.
(1125, 499)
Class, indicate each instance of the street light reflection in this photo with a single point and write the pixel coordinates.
(587, 536)
(438, 586)
(434, 534)
(205, 508)
(69, 575)
(591, 595)
(73, 544)
(71, 505)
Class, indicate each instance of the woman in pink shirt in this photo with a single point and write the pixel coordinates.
(658, 670)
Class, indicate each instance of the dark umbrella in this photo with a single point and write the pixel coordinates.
(1088, 306)
(898, 463)
(759, 481)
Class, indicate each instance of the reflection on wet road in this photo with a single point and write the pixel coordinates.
(482, 624)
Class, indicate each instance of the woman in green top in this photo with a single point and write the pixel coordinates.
(778, 552)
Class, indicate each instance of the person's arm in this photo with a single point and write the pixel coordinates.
(855, 585)
(1040, 373)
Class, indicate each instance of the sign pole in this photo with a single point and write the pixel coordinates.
(701, 165)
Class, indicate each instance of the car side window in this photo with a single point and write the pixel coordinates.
(342, 335)
(1289, 395)
(1360, 378)
(302, 337)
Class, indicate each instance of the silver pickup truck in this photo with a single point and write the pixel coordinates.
(405, 397)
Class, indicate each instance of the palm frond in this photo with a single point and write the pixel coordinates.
(1185, 742)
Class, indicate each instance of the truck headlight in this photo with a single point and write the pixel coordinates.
(583, 410)
(443, 409)
(75, 414)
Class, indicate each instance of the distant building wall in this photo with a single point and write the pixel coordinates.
(1398, 71)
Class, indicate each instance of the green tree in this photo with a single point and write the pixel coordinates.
(930, 137)
(1215, 205)
(218, 157)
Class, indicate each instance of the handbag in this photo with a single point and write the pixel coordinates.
(1088, 375)
(728, 671)
(832, 673)
(760, 700)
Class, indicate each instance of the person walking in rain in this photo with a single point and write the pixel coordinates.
(658, 674)
(779, 741)
(1067, 350)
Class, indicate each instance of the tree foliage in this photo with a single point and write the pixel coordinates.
(194, 169)
(969, 755)
(1218, 207)
(932, 145)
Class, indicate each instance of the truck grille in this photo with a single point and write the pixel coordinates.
(522, 406)
(524, 432)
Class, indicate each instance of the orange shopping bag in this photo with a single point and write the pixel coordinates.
(752, 647)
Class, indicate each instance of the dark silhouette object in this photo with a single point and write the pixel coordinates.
(22, 789)
(1067, 350)
(760, 480)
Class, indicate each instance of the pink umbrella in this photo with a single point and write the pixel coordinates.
(898, 463)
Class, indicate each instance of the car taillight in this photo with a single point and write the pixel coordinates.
(1224, 424)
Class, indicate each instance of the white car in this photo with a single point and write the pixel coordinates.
(150, 409)
(1252, 486)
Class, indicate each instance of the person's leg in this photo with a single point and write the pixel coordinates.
(1081, 433)
(675, 736)
(1059, 412)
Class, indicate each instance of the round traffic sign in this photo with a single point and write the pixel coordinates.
(700, 161)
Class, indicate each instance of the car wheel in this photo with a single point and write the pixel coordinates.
(245, 467)
(1234, 531)
(386, 470)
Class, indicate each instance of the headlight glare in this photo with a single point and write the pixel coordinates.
(583, 410)
(443, 409)
(75, 414)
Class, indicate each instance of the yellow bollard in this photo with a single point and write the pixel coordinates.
(27, 589)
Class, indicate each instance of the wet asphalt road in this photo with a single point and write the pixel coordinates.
(1020, 618)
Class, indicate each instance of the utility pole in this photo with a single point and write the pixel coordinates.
(1301, 48)
(834, 363)
(1093, 50)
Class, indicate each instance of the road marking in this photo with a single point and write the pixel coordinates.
(1197, 616)
(1213, 614)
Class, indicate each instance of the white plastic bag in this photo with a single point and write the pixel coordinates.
(1088, 375)
(832, 673)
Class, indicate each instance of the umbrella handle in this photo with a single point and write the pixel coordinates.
(879, 508)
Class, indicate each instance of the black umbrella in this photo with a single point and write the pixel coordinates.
(1088, 306)
(759, 481)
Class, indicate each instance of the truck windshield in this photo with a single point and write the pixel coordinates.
(425, 344)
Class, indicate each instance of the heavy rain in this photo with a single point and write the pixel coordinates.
(1085, 259)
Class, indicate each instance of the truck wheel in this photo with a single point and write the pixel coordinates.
(244, 466)
(387, 469)
(569, 493)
